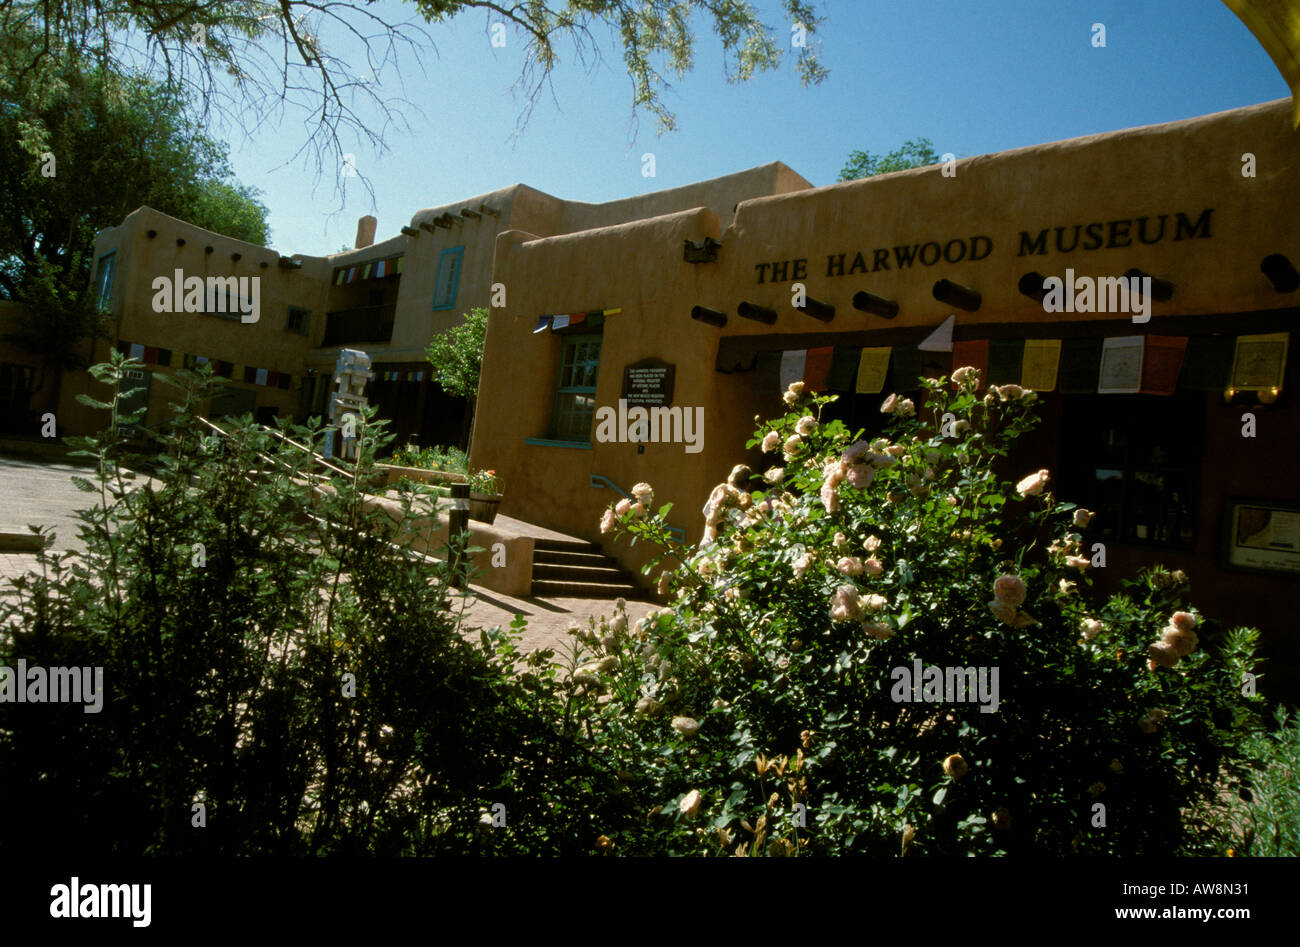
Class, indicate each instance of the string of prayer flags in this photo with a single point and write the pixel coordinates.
(906, 368)
(817, 368)
(1162, 363)
(1207, 364)
(260, 377)
(940, 340)
(560, 321)
(1038, 367)
(1121, 365)
(136, 351)
(844, 365)
(1260, 361)
(973, 353)
(767, 372)
(792, 365)
(1080, 361)
(1005, 359)
(543, 323)
(150, 356)
(873, 367)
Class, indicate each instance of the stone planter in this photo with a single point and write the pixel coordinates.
(483, 506)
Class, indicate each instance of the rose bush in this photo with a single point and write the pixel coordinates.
(761, 712)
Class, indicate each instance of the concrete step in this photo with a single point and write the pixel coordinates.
(554, 557)
(606, 572)
(549, 589)
(566, 545)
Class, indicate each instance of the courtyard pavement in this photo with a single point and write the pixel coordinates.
(41, 492)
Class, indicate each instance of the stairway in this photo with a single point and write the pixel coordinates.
(571, 568)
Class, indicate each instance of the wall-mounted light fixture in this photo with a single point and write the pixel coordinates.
(817, 309)
(876, 305)
(1281, 273)
(1161, 290)
(955, 294)
(1261, 397)
(1031, 285)
(757, 313)
(711, 316)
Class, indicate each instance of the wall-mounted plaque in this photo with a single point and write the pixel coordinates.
(1262, 536)
(649, 382)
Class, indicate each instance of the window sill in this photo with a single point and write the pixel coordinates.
(545, 442)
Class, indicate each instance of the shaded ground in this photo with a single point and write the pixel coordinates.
(42, 492)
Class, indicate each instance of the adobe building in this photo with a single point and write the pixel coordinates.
(388, 299)
(1142, 421)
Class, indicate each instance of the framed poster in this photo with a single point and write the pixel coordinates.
(1260, 361)
(1121, 365)
(1262, 536)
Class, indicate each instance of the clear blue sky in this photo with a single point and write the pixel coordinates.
(974, 76)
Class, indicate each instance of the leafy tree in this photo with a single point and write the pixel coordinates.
(238, 56)
(80, 148)
(457, 356)
(915, 153)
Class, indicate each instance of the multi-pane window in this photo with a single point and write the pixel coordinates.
(448, 279)
(104, 280)
(1135, 460)
(298, 320)
(575, 395)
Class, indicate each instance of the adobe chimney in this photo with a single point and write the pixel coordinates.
(366, 231)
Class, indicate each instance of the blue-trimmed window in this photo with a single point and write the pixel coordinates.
(444, 289)
(575, 394)
(104, 280)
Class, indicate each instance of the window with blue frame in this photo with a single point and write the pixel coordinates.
(104, 280)
(575, 395)
(444, 288)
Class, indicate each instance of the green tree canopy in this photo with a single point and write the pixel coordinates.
(916, 153)
(457, 355)
(243, 57)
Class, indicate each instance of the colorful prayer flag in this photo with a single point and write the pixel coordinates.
(1080, 362)
(906, 368)
(1040, 363)
(542, 323)
(136, 351)
(817, 367)
(1121, 365)
(1162, 362)
(873, 367)
(844, 366)
(1260, 361)
(973, 353)
(260, 377)
(560, 321)
(1207, 364)
(1005, 359)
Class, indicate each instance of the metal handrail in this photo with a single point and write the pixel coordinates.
(600, 482)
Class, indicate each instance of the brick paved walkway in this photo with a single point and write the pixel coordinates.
(41, 492)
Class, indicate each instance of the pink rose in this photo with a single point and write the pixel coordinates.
(1003, 612)
(967, 373)
(844, 604)
(871, 543)
(1010, 589)
(849, 565)
(855, 452)
(1162, 654)
(890, 405)
(830, 499)
(860, 476)
(873, 567)
(607, 521)
(1033, 485)
(806, 425)
(877, 629)
(771, 441)
(1083, 517)
(1023, 620)
(1182, 640)
(1078, 562)
(1184, 621)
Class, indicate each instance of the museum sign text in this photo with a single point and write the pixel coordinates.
(1097, 235)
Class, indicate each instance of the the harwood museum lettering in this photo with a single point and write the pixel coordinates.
(1096, 235)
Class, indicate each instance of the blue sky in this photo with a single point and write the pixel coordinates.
(974, 76)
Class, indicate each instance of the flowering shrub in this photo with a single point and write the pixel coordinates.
(883, 647)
